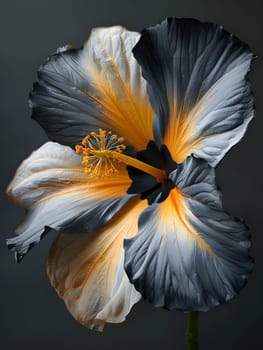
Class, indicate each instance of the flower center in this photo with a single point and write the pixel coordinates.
(101, 150)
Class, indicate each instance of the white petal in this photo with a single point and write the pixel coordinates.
(52, 185)
(87, 271)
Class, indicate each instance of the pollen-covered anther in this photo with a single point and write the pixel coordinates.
(79, 149)
(97, 150)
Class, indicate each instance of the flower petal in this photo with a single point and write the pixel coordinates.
(52, 186)
(98, 86)
(87, 271)
(189, 254)
(196, 74)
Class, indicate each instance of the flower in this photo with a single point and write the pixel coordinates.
(138, 123)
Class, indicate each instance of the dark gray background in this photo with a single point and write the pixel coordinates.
(31, 315)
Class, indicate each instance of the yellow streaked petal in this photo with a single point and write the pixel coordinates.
(52, 185)
(97, 86)
(189, 254)
(119, 88)
(197, 83)
(87, 271)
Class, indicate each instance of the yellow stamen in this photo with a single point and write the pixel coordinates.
(159, 174)
(101, 149)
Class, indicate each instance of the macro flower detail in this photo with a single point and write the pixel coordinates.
(137, 125)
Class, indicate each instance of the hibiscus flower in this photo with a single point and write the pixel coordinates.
(138, 124)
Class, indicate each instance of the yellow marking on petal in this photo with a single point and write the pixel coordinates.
(101, 150)
(85, 270)
(108, 187)
(180, 133)
(174, 213)
(125, 110)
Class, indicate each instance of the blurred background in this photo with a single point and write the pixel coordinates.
(31, 315)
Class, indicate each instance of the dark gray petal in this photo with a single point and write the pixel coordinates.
(197, 179)
(59, 99)
(196, 73)
(189, 254)
(97, 86)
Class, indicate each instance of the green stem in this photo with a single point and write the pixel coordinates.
(192, 331)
